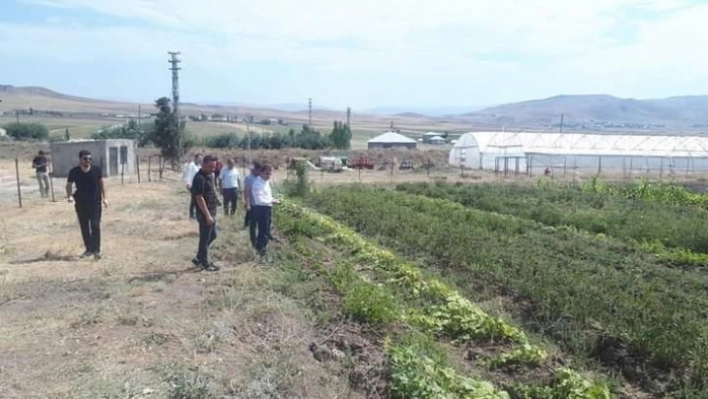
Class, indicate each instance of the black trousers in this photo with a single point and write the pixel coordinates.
(261, 217)
(192, 207)
(252, 224)
(207, 235)
(230, 197)
(90, 223)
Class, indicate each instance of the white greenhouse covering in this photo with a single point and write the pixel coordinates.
(591, 153)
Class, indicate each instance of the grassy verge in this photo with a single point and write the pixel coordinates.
(594, 297)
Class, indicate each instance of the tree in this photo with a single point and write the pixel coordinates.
(341, 136)
(165, 134)
(27, 131)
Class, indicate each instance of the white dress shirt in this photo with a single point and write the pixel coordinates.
(262, 193)
(229, 178)
(190, 170)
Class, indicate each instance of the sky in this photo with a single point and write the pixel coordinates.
(361, 54)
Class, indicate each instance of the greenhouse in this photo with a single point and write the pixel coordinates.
(535, 153)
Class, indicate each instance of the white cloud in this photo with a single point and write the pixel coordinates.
(525, 25)
(464, 39)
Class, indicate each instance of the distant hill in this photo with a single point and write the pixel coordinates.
(22, 98)
(424, 111)
(601, 109)
(581, 112)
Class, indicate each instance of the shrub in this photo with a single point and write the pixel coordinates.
(224, 140)
(27, 131)
(301, 186)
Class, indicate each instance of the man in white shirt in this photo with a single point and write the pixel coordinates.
(262, 207)
(229, 179)
(248, 200)
(188, 172)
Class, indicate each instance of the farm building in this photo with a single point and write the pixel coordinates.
(532, 153)
(432, 137)
(392, 140)
(436, 140)
(113, 156)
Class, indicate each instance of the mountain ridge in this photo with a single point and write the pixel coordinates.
(584, 111)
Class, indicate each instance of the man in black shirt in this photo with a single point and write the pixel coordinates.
(89, 194)
(204, 194)
(39, 163)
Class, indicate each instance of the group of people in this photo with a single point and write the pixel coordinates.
(203, 181)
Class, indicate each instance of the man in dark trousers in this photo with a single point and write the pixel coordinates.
(90, 193)
(229, 179)
(248, 200)
(39, 164)
(204, 194)
(262, 207)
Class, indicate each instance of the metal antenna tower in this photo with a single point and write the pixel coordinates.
(174, 61)
(309, 118)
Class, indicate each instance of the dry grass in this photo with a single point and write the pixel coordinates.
(141, 321)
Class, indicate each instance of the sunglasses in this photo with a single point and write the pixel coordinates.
(87, 158)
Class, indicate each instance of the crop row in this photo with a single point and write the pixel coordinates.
(654, 223)
(645, 190)
(414, 375)
(595, 297)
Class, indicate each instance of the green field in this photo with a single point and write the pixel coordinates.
(607, 303)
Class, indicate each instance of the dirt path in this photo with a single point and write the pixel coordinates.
(142, 323)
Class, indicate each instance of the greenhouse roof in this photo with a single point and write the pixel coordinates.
(587, 144)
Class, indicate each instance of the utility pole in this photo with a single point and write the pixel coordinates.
(248, 134)
(174, 62)
(561, 125)
(349, 116)
(309, 118)
(140, 117)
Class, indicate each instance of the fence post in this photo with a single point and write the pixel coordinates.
(160, 165)
(599, 166)
(51, 180)
(122, 172)
(17, 174)
(137, 166)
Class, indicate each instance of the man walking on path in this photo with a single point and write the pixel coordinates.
(248, 200)
(230, 184)
(262, 207)
(90, 193)
(39, 163)
(204, 194)
(190, 170)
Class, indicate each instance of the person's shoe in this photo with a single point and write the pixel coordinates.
(196, 262)
(210, 267)
(86, 254)
(97, 256)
